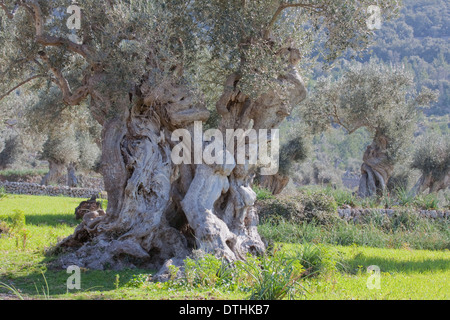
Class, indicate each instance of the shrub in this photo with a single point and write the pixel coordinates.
(11, 152)
(4, 229)
(376, 219)
(307, 206)
(399, 180)
(367, 202)
(312, 206)
(18, 220)
(262, 193)
(138, 281)
(432, 156)
(15, 227)
(293, 151)
(281, 208)
(341, 196)
(310, 255)
(272, 278)
(206, 270)
(320, 207)
(427, 202)
(404, 197)
(406, 220)
(2, 193)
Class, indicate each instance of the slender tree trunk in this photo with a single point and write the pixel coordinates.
(376, 168)
(72, 180)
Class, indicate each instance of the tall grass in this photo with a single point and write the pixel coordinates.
(12, 289)
(376, 231)
(2, 193)
(427, 202)
(404, 197)
(274, 278)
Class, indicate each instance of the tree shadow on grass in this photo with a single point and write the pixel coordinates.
(52, 219)
(52, 283)
(394, 266)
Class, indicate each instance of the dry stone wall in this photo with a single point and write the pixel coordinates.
(37, 189)
(357, 214)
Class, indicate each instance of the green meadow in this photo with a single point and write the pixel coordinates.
(295, 268)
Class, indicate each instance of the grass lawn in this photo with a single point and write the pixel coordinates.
(404, 273)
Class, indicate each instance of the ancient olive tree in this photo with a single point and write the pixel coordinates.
(67, 151)
(137, 64)
(432, 158)
(379, 98)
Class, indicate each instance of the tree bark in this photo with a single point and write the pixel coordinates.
(274, 183)
(427, 181)
(72, 180)
(376, 168)
(56, 171)
(158, 211)
(224, 193)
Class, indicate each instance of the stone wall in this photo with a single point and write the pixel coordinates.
(37, 189)
(356, 214)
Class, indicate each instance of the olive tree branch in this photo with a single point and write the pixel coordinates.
(69, 97)
(21, 84)
(47, 40)
(283, 6)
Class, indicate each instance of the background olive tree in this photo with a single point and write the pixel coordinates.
(17, 147)
(295, 148)
(379, 98)
(72, 137)
(432, 159)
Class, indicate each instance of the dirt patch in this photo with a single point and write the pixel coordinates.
(6, 296)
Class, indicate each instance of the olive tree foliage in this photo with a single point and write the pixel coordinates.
(432, 159)
(15, 143)
(379, 98)
(294, 149)
(142, 67)
(73, 138)
(68, 151)
(10, 151)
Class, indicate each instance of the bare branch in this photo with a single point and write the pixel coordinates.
(291, 5)
(47, 40)
(8, 14)
(21, 84)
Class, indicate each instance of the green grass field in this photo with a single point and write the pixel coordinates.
(340, 271)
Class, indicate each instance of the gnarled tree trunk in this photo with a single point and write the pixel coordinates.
(376, 168)
(427, 181)
(142, 226)
(56, 171)
(158, 211)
